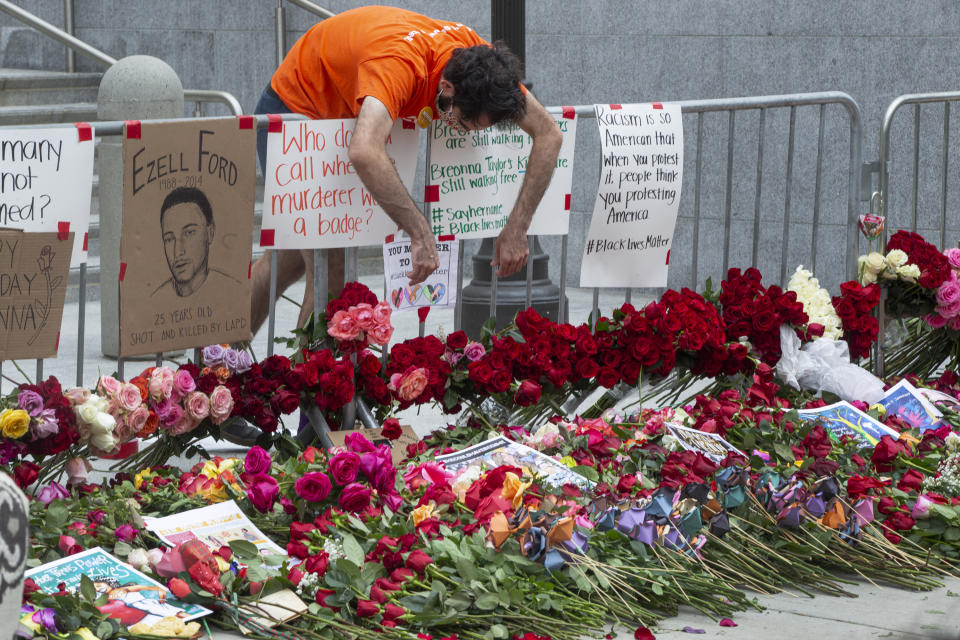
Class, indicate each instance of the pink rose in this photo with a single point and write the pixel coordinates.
(948, 299)
(129, 397)
(412, 384)
(954, 323)
(262, 491)
(343, 467)
(936, 320)
(474, 351)
(77, 395)
(184, 424)
(953, 257)
(183, 383)
(124, 429)
(161, 383)
(355, 498)
(197, 405)
(77, 469)
(171, 416)
(138, 419)
(381, 313)
(125, 532)
(362, 314)
(358, 443)
(381, 334)
(257, 461)
(108, 385)
(221, 404)
(312, 486)
(343, 327)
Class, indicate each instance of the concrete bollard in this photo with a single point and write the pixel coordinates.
(135, 88)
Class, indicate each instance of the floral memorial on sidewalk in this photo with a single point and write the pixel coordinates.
(543, 507)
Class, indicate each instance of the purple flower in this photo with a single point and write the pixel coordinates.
(244, 362)
(231, 359)
(125, 532)
(46, 617)
(31, 402)
(45, 424)
(577, 543)
(10, 449)
(213, 355)
(51, 492)
(392, 501)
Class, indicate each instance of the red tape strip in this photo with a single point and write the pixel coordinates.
(668, 257)
(447, 238)
(566, 202)
(132, 129)
(249, 269)
(56, 347)
(423, 312)
(431, 193)
(63, 231)
(569, 113)
(86, 238)
(275, 123)
(657, 105)
(84, 131)
(267, 237)
(245, 122)
(388, 239)
(408, 123)
(123, 271)
(616, 106)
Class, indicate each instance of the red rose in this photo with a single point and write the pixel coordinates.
(393, 612)
(313, 486)
(817, 442)
(354, 498)
(627, 483)
(457, 340)
(391, 429)
(178, 588)
(885, 453)
(317, 563)
(417, 561)
(367, 608)
(608, 377)
(900, 521)
(911, 481)
(528, 393)
(26, 474)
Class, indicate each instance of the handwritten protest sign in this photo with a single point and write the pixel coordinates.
(186, 241)
(312, 195)
(33, 284)
(440, 287)
(474, 179)
(641, 172)
(45, 181)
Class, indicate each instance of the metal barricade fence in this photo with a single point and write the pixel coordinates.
(714, 188)
(916, 199)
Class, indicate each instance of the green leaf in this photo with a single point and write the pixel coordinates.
(104, 629)
(87, 590)
(784, 452)
(952, 534)
(944, 511)
(243, 549)
(488, 601)
(57, 515)
(657, 589)
(587, 472)
(122, 549)
(352, 549)
(499, 631)
(466, 569)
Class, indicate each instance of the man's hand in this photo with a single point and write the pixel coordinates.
(424, 259)
(510, 251)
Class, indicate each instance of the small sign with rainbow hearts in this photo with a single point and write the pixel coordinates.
(438, 290)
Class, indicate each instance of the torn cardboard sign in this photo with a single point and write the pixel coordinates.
(398, 447)
(187, 235)
(33, 284)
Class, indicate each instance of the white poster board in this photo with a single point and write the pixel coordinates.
(641, 172)
(45, 180)
(474, 179)
(439, 290)
(312, 195)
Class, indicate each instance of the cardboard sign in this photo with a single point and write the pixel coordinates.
(710, 445)
(187, 236)
(398, 447)
(438, 290)
(641, 172)
(45, 180)
(476, 177)
(313, 197)
(33, 284)
(272, 609)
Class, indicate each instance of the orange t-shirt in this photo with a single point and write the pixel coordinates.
(394, 55)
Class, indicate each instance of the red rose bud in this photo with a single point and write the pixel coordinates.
(29, 588)
(911, 481)
(386, 585)
(393, 612)
(295, 576)
(401, 574)
(367, 608)
(391, 429)
(255, 588)
(178, 588)
(321, 598)
(528, 393)
(377, 594)
(417, 561)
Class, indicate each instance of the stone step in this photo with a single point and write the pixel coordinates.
(48, 113)
(20, 87)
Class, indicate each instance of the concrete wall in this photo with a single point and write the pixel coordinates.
(631, 51)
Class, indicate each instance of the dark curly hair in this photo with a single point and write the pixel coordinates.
(486, 80)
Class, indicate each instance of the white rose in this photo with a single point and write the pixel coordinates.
(88, 411)
(103, 441)
(868, 277)
(670, 443)
(909, 272)
(952, 441)
(104, 422)
(875, 262)
(896, 258)
(138, 558)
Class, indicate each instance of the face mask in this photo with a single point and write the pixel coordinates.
(444, 106)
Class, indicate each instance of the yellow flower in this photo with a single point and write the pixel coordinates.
(567, 461)
(142, 476)
(513, 489)
(881, 410)
(14, 422)
(423, 512)
(86, 634)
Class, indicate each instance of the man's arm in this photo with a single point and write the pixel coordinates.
(368, 153)
(511, 251)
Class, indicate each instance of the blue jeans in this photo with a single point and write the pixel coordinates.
(269, 102)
